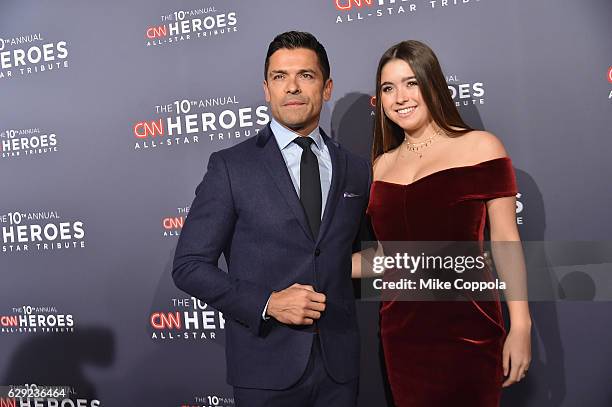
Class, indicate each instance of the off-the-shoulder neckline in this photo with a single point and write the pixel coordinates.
(441, 171)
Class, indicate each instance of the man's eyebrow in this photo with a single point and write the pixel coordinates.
(304, 70)
(277, 71)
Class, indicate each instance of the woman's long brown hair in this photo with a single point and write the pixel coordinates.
(433, 88)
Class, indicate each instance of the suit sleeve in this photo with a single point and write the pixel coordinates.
(206, 233)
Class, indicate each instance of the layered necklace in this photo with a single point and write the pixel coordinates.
(418, 147)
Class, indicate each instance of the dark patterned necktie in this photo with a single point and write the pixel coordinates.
(310, 185)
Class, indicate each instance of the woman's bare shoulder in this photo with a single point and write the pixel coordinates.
(381, 163)
(484, 146)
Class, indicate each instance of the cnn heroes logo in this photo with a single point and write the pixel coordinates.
(30, 54)
(49, 402)
(202, 23)
(27, 142)
(172, 225)
(211, 400)
(188, 319)
(520, 206)
(24, 232)
(610, 80)
(465, 93)
(32, 319)
(191, 121)
(359, 10)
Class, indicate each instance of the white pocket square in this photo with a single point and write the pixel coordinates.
(351, 195)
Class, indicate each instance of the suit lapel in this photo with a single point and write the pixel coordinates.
(274, 162)
(338, 160)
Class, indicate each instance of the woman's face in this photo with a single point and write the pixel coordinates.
(401, 98)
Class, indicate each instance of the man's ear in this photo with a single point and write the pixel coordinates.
(327, 89)
(266, 91)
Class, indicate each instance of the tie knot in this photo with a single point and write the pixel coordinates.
(304, 142)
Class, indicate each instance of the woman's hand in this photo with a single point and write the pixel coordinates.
(517, 353)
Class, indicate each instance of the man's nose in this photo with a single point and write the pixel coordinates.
(292, 86)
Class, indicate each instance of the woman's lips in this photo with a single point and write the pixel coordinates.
(405, 111)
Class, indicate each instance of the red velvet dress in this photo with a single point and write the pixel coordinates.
(442, 353)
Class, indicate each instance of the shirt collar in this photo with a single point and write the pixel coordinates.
(284, 136)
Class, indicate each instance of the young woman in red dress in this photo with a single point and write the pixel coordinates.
(436, 179)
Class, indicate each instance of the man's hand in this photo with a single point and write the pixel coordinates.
(296, 305)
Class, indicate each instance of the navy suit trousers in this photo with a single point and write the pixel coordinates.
(314, 389)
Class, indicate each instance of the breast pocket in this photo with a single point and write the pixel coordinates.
(352, 198)
(349, 212)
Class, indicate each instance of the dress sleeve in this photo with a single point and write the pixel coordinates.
(493, 179)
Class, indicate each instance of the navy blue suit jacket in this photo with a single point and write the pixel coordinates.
(246, 208)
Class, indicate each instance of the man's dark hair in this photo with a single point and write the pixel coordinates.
(298, 39)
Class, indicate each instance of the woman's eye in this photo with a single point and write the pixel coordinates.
(386, 88)
(412, 83)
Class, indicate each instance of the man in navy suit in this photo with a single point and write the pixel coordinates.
(285, 208)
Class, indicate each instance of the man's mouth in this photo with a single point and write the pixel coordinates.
(294, 103)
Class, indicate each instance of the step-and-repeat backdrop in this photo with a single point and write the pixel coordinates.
(109, 111)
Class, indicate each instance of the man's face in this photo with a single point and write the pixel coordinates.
(295, 89)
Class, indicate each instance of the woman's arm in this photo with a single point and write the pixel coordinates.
(508, 257)
(510, 264)
(362, 266)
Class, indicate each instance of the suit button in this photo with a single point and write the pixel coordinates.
(317, 252)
